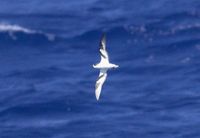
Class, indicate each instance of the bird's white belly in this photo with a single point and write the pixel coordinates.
(103, 66)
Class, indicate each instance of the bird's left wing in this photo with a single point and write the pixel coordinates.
(103, 52)
(100, 81)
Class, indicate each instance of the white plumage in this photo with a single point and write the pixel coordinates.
(104, 65)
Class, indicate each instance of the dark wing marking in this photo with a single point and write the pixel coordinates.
(103, 42)
(103, 52)
(99, 83)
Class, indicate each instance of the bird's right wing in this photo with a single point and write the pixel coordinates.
(100, 81)
(103, 52)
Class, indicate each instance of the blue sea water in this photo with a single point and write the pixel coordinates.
(47, 49)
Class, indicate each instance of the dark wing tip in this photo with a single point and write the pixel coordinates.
(104, 35)
(103, 38)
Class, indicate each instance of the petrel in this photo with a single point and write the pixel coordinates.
(104, 65)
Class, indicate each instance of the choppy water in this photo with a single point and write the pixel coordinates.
(47, 80)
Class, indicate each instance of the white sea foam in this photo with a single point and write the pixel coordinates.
(11, 29)
(14, 28)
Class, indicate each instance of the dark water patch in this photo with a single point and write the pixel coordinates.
(20, 38)
(50, 72)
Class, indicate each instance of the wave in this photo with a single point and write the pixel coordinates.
(14, 30)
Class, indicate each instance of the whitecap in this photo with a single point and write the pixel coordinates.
(11, 29)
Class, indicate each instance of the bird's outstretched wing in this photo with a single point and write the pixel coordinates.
(103, 52)
(100, 81)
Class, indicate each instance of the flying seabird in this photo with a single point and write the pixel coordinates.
(103, 65)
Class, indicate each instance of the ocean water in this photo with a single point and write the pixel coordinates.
(47, 82)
